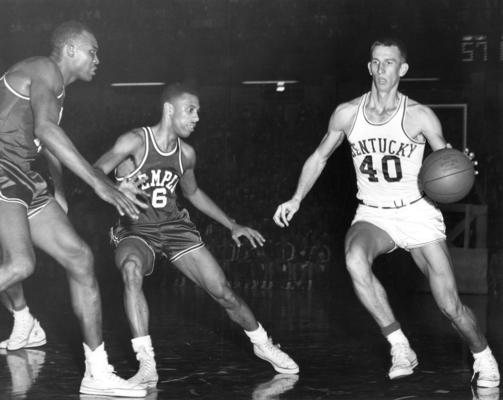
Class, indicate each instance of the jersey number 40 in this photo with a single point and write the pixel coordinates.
(367, 168)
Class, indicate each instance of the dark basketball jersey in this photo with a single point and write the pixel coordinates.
(18, 143)
(161, 172)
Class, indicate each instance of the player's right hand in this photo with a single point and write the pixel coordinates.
(285, 212)
(106, 190)
(131, 187)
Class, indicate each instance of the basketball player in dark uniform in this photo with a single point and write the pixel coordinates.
(159, 158)
(31, 105)
(387, 133)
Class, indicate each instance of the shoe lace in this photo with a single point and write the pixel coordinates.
(399, 353)
(21, 328)
(275, 351)
(111, 375)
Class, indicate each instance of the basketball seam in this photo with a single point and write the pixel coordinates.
(445, 176)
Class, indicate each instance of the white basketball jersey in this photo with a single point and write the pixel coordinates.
(386, 160)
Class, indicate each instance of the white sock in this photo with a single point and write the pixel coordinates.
(397, 337)
(486, 352)
(258, 336)
(97, 358)
(143, 344)
(22, 314)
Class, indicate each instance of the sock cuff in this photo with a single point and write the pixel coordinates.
(259, 335)
(23, 313)
(142, 341)
(487, 351)
(96, 353)
(387, 330)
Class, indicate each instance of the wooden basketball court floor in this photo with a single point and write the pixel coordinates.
(202, 355)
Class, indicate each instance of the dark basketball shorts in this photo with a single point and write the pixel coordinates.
(23, 187)
(172, 239)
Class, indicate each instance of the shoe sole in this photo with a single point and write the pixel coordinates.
(114, 392)
(403, 373)
(28, 345)
(149, 384)
(279, 369)
(487, 384)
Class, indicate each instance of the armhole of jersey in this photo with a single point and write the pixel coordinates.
(132, 173)
(362, 102)
(405, 100)
(12, 90)
(180, 155)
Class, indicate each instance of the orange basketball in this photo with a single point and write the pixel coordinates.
(446, 175)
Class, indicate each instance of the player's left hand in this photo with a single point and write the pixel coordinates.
(255, 238)
(131, 188)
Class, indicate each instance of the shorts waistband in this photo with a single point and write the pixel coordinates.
(398, 204)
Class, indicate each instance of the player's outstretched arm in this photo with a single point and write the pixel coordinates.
(314, 165)
(205, 204)
(43, 97)
(124, 147)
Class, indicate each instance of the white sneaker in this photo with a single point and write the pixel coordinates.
(279, 360)
(147, 373)
(106, 383)
(403, 361)
(487, 369)
(18, 340)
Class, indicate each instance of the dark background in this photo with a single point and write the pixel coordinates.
(251, 140)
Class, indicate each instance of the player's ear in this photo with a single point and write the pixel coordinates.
(369, 68)
(404, 67)
(168, 109)
(69, 49)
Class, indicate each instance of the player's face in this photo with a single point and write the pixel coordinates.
(85, 56)
(185, 114)
(386, 67)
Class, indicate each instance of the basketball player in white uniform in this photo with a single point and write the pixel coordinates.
(387, 133)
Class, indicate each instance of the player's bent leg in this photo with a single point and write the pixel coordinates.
(53, 233)
(202, 268)
(134, 260)
(364, 242)
(434, 260)
(18, 256)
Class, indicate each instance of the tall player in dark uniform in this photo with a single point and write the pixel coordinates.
(159, 158)
(387, 133)
(31, 105)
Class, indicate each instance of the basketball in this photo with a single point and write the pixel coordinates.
(446, 176)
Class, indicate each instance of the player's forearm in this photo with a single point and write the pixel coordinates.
(206, 205)
(63, 149)
(56, 171)
(311, 171)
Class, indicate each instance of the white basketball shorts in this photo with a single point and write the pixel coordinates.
(414, 225)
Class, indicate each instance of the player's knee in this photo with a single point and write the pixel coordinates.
(80, 258)
(226, 296)
(132, 273)
(451, 307)
(19, 268)
(357, 263)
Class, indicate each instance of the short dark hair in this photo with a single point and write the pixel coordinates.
(388, 42)
(175, 90)
(66, 31)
